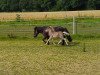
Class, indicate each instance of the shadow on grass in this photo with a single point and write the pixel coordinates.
(73, 43)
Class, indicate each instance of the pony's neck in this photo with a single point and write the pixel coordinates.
(52, 29)
(50, 32)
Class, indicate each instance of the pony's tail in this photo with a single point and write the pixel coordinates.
(66, 33)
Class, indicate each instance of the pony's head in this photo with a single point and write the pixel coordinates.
(36, 31)
(49, 29)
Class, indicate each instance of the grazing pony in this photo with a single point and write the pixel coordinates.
(56, 34)
(41, 29)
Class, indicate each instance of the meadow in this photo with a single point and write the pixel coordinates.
(33, 57)
(86, 27)
(48, 15)
(21, 54)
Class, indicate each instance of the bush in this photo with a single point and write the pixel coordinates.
(18, 18)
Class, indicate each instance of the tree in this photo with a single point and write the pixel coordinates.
(91, 4)
(82, 5)
(3, 5)
(47, 5)
(26, 5)
(73, 4)
(13, 5)
(98, 4)
(59, 5)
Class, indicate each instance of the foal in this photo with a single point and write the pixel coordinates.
(54, 34)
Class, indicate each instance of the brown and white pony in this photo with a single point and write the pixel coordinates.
(56, 34)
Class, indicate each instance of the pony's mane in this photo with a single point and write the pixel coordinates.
(52, 29)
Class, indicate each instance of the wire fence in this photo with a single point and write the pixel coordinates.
(26, 28)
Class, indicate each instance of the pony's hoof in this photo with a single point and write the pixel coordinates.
(67, 45)
(47, 43)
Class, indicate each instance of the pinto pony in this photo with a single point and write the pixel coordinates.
(56, 34)
(41, 29)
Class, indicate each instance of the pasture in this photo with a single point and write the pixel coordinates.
(32, 57)
(48, 15)
(21, 54)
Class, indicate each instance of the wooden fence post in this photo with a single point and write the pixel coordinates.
(74, 26)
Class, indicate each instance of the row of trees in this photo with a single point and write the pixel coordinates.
(47, 5)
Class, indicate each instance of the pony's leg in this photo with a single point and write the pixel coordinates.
(60, 41)
(44, 39)
(53, 42)
(48, 40)
(65, 41)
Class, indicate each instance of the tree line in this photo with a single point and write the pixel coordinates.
(48, 5)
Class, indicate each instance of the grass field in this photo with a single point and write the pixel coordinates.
(33, 57)
(85, 26)
(21, 54)
(48, 15)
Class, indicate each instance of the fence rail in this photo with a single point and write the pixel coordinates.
(26, 28)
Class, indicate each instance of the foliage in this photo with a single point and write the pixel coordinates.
(91, 4)
(47, 5)
(18, 18)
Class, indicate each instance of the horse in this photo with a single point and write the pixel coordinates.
(41, 29)
(56, 34)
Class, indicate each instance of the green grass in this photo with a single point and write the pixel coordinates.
(39, 22)
(85, 26)
(24, 55)
(88, 19)
(52, 21)
(33, 57)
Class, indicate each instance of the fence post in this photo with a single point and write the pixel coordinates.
(84, 47)
(74, 26)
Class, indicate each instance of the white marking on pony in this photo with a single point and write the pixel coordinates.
(66, 33)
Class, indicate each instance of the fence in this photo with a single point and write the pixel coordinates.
(25, 28)
(89, 27)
